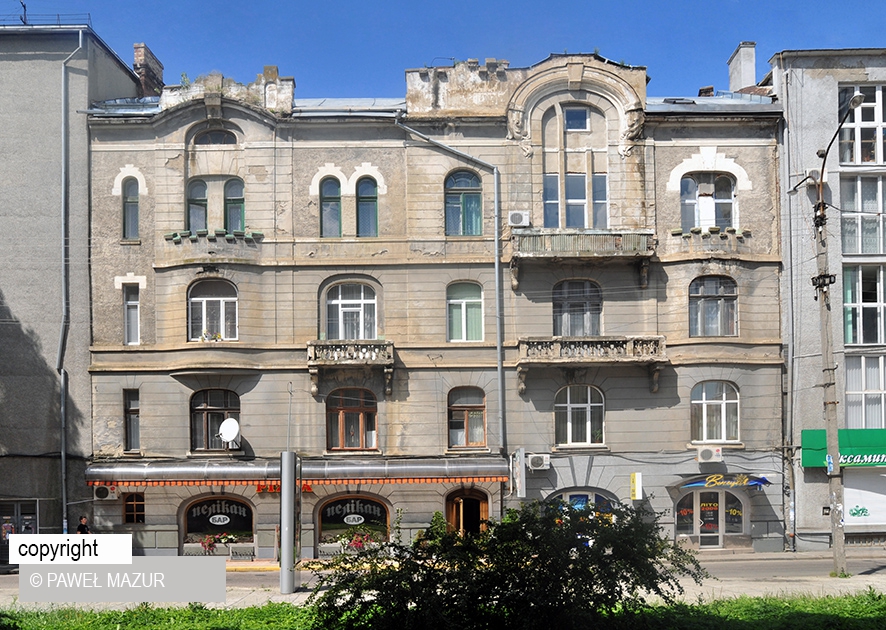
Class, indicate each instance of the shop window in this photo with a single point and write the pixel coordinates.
(351, 416)
(710, 515)
(351, 523)
(209, 409)
(134, 508)
(467, 511)
(581, 499)
(219, 515)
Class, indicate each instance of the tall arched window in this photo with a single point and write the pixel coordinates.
(713, 311)
(209, 408)
(464, 216)
(330, 208)
(467, 417)
(212, 311)
(350, 420)
(714, 412)
(578, 416)
(235, 219)
(130, 208)
(367, 207)
(707, 200)
(577, 308)
(464, 303)
(350, 312)
(197, 205)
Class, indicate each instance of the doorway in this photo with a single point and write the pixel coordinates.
(16, 517)
(710, 515)
(467, 511)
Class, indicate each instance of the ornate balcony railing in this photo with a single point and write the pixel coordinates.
(578, 350)
(557, 243)
(350, 353)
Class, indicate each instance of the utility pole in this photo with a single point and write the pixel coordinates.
(822, 282)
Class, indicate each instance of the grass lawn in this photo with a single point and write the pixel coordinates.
(865, 611)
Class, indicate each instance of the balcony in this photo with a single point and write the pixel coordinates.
(580, 244)
(334, 354)
(583, 350)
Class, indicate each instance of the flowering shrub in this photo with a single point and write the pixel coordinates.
(210, 541)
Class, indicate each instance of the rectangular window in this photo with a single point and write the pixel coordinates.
(552, 201)
(865, 391)
(575, 118)
(862, 137)
(862, 219)
(863, 304)
(131, 419)
(576, 200)
(600, 198)
(130, 315)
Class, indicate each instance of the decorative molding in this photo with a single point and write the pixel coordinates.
(130, 278)
(129, 171)
(708, 160)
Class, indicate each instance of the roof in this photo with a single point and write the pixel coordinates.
(721, 104)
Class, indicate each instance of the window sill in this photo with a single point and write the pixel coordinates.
(133, 454)
(735, 446)
(131, 241)
(467, 450)
(563, 448)
(215, 453)
(353, 452)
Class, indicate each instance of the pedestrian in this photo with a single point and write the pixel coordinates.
(83, 528)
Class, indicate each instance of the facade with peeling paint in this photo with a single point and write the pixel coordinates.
(512, 284)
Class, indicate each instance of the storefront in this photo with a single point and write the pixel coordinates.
(16, 517)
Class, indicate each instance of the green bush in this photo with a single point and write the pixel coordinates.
(552, 565)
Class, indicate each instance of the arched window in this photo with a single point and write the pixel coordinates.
(578, 416)
(350, 312)
(130, 208)
(212, 311)
(467, 417)
(197, 205)
(367, 207)
(330, 208)
(216, 136)
(350, 420)
(134, 508)
(209, 408)
(464, 304)
(235, 219)
(714, 412)
(577, 308)
(464, 216)
(707, 200)
(713, 308)
(580, 499)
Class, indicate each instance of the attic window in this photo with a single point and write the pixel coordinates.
(216, 137)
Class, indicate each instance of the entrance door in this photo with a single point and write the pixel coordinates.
(710, 515)
(466, 511)
(16, 517)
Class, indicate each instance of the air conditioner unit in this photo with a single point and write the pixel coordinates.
(518, 219)
(104, 493)
(708, 454)
(538, 462)
(812, 175)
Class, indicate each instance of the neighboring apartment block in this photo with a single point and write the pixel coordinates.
(815, 88)
(48, 74)
(515, 283)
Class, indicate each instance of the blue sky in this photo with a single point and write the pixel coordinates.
(351, 48)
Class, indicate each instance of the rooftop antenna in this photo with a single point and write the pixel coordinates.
(24, 16)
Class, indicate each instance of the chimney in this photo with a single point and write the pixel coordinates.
(149, 71)
(742, 67)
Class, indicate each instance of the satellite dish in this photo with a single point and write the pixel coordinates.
(229, 430)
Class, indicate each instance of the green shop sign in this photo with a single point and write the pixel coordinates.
(858, 447)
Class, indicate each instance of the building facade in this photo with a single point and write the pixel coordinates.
(815, 87)
(513, 284)
(49, 74)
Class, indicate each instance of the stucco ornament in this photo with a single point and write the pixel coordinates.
(633, 121)
(515, 125)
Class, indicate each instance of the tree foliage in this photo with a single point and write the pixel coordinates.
(543, 565)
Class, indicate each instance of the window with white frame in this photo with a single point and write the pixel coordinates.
(575, 168)
(131, 419)
(464, 207)
(863, 208)
(464, 305)
(713, 307)
(707, 200)
(714, 412)
(861, 137)
(351, 420)
(351, 312)
(131, 335)
(578, 416)
(577, 308)
(130, 208)
(864, 303)
(209, 409)
(212, 311)
(467, 417)
(865, 392)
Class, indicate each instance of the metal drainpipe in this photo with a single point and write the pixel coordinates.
(499, 298)
(66, 309)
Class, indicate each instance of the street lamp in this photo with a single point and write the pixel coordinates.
(821, 282)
